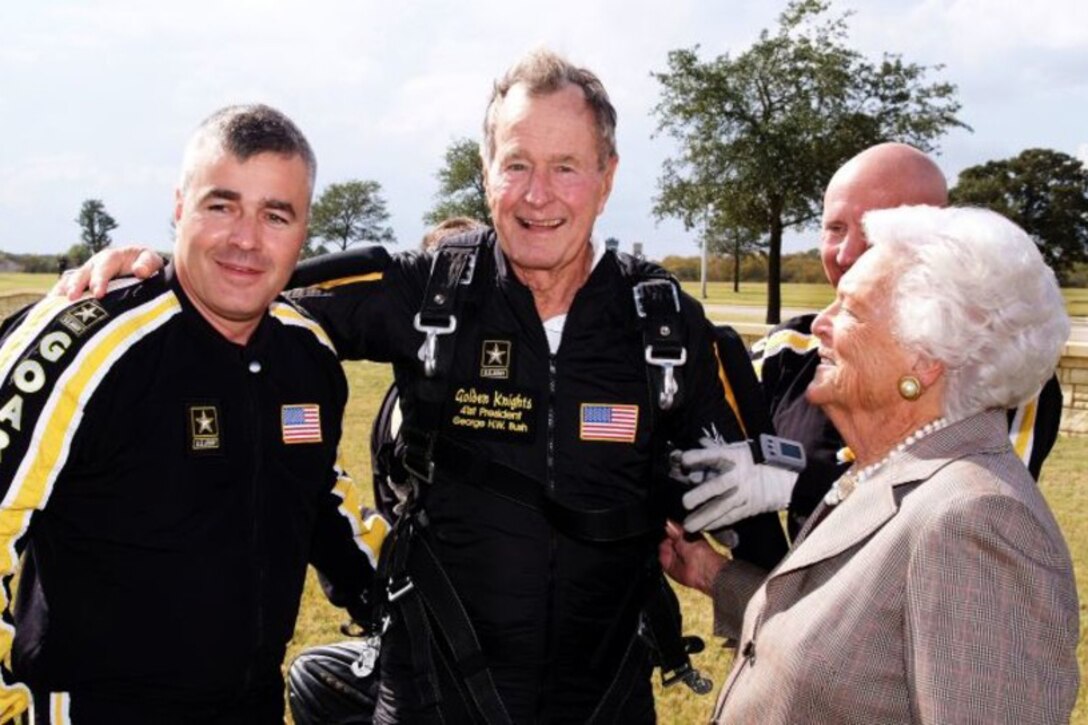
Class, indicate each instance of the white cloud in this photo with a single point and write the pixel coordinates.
(21, 184)
(97, 99)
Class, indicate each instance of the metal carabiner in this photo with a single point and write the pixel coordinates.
(669, 387)
(428, 351)
(369, 649)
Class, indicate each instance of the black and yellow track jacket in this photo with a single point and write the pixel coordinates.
(167, 489)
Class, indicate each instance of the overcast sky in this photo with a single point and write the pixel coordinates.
(98, 98)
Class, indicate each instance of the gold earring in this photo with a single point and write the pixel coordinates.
(910, 388)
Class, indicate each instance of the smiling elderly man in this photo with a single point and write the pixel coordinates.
(529, 550)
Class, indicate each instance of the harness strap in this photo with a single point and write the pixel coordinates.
(436, 592)
(420, 635)
(657, 304)
(662, 620)
(742, 387)
(453, 266)
(399, 584)
(627, 674)
(424, 452)
(384, 463)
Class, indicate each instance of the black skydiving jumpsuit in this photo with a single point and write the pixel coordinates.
(554, 615)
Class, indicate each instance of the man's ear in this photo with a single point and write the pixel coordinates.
(179, 201)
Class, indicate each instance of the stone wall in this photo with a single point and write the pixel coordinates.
(1072, 374)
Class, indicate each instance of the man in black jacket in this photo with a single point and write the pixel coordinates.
(537, 428)
(168, 462)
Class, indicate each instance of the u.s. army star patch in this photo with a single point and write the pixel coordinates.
(495, 359)
(204, 428)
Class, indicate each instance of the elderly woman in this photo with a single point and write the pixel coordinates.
(932, 585)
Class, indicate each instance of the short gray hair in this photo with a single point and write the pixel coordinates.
(971, 290)
(543, 72)
(245, 131)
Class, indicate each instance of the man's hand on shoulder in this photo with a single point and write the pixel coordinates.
(95, 274)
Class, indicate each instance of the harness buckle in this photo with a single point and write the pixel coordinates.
(393, 595)
(429, 349)
(418, 458)
(369, 649)
(669, 387)
(650, 289)
(470, 268)
(689, 676)
(658, 298)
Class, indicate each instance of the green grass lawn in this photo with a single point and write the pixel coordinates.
(1064, 481)
(752, 294)
(20, 282)
(818, 296)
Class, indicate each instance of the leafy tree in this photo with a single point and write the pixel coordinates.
(685, 269)
(310, 249)
(77, 254)
(1045, 192)
(460, 185)
(736, 242)
(761, 134)
(349, 213)
(95, 225)
(803, 267)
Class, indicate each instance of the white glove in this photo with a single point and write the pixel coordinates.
(729, 485)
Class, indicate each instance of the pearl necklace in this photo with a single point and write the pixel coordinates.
(852, 479)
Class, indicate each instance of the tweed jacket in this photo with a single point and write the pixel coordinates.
(940, 591)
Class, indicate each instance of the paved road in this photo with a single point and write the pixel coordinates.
(740, 313)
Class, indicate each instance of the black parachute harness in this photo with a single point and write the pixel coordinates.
(416, 584)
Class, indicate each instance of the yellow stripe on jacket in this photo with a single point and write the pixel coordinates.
(48, 448)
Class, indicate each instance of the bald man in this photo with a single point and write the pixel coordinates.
(883, 176)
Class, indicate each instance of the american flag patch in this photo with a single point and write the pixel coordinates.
(600, 422)
(301, 423)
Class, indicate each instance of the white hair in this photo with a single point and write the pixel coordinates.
(971, 291)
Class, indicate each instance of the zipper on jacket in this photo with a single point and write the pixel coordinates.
(553, 543)
(550, 449)
(253, 415)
